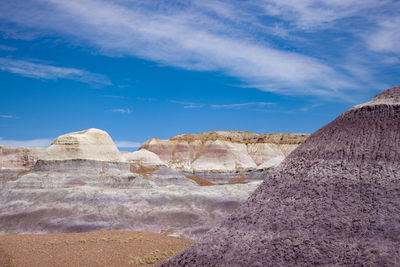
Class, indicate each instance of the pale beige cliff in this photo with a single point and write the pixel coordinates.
(82, 182)
(142, 157)
(217, 151)
(224, 150)
(91, 144)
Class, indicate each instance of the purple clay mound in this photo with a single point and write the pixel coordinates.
(334, 201)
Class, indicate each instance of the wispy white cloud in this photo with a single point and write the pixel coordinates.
(309, 107)
(223, 36)
(315, 14)
(376, 21)
(183, 37)
(187, 104)
(121, 110)
(241, 105)
(26, 143)
(10, 32)
(391, 59)
(128, 144)
(7, 116)
(223, 106)
(387, 37)
(49, 72)
(220, 8)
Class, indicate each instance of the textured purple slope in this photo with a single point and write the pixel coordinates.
(334, 201)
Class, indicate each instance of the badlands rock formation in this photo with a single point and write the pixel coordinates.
(143, 157)
(224, 151)
(91, 144)
(221, 156)
(17, 160)
(79, 205)
(335, 201)
(83, 183)
(91, 157)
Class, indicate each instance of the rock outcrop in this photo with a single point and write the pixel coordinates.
(79, 195)
(91, 144)
(77, 204)
(83, 183)
(219, 155)
(334, 201)
(17, 160)
(224, 151)
(143, 157)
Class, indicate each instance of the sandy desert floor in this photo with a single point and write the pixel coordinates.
(102, 248)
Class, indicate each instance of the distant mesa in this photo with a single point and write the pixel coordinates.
(91, 144)
(182, 186)
(86, 184)
(334, 201)
(210, 152)
(224, 151)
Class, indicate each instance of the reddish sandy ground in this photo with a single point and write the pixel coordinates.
(103, 248)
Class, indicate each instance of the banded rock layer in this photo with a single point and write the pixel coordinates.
(17, 160)
(91, 144)
(220, 156)
(224, 151)
(335, 201)
(83, 183)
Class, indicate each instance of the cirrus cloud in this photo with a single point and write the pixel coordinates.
(121, 110)
(180, 36)
(228, 37)
(241, 105)
(50, 72)
(7, 116)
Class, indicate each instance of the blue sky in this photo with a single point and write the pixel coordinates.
(143, 69)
